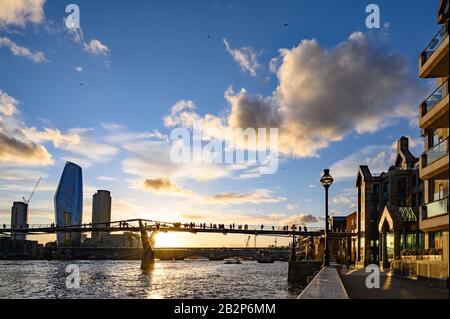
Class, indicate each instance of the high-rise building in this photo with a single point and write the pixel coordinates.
(69, 204)
(101, 213)
(394, 195)
(434, 127)
(19, 219)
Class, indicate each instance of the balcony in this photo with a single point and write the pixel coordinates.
(434, 162)
(433, 61)
(434, 110)
(435, 209)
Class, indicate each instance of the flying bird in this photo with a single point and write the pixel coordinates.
(285, 25)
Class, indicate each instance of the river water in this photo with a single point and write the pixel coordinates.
(168, 279)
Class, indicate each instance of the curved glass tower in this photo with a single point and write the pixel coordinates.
(69, 204)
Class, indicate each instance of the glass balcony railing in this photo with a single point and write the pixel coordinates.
(436, 152)
(434, 44)
(436, 208)
(434, 98)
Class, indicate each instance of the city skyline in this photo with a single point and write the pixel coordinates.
(125, 89)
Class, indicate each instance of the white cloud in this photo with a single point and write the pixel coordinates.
(377, 157)
(346, 197)
(20, 12)
(95, 47)
(78, 69)
(246, 57)
(166, 186)
(78, 141)
(18, 50)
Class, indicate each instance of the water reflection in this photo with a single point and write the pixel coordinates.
(167, 279)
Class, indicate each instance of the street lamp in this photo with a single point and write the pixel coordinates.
(326, 180)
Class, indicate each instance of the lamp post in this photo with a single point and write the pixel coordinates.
(326, 180)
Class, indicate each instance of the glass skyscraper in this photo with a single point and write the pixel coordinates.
(69, 204)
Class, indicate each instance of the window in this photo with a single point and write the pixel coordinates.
(439, 189)
(435, 240)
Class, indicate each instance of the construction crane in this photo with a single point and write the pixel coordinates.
(32, 193)
(247, 242)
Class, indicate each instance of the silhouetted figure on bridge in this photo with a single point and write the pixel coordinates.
(4, 225)
(245, 227)
(273, 228)
(294, 228)
(262, 227)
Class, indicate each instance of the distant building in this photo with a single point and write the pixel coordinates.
(19, 219)
(338, 224)
(434, 162)
(352, 229)
(392, 193)
(69, 204)
(125, 240)
(101, 213)
(20, 249)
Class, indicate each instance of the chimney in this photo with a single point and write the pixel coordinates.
(403, 145)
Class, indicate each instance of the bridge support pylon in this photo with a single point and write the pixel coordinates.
(148, 245)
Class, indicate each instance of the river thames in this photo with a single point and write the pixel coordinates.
(169, 279)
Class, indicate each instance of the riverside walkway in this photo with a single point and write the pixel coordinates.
(390, 287)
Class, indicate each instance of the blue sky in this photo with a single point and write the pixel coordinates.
(99, 97)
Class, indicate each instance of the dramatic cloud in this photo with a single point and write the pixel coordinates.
(20, 12)
(15, 151)
(300, 219)
(22, 51)
(325, 94)
(322, 96)
(14, 148)
(95, 47)
(246, 57)
(162, 185)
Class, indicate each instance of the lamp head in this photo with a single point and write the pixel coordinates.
(326, 180)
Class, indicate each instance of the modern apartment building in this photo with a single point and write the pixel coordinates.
(101, 213)
(396, 195)
(434, 127)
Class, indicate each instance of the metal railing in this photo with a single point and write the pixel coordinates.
(436, 208)
(434, 98)
(434, 44)
(435, 153)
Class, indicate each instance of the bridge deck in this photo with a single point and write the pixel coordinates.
(128, 225)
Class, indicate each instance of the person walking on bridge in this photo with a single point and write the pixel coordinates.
(262, 227)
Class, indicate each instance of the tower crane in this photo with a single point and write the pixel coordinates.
(26, 201)
(247, 242)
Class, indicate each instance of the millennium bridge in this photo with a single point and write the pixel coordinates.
(152, 227)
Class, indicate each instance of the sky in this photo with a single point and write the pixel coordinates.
(108, 95)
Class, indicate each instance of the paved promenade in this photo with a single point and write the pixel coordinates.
(390, 288)
(326, 285)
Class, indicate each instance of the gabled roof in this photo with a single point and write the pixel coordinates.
(398, 218)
